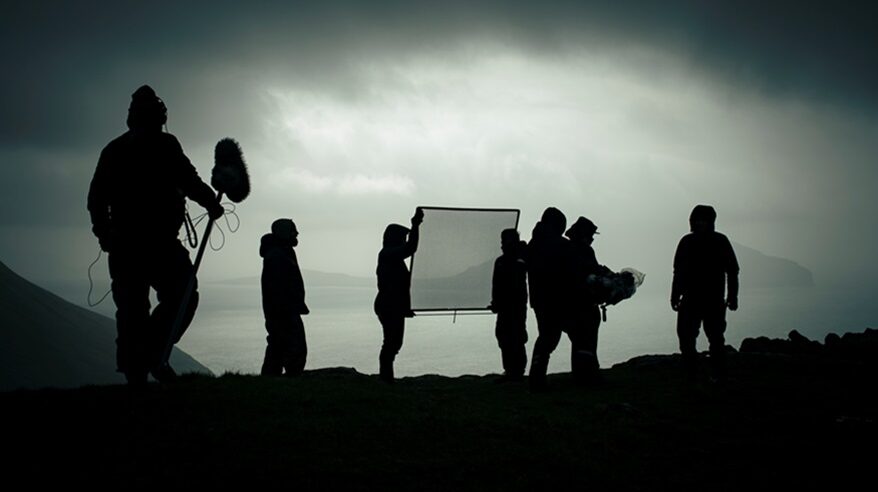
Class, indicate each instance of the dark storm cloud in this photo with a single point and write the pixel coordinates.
(70, 66)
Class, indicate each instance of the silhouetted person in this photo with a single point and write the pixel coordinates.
(549, 265)
(283, 301)
(137, 204)
(509, 301)
(393, 303)
(703, 263)
(586, 315)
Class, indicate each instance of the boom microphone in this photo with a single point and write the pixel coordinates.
(229, 176)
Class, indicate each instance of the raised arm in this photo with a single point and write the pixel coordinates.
(415, 233)
(403, 251)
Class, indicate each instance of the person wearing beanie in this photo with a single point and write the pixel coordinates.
(137, 203)
(393, 303)
(704, 264)
(283, 301)
(509, 302)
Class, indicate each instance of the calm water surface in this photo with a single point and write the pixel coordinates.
(228, 333)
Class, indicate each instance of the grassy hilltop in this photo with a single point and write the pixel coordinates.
(781, 420)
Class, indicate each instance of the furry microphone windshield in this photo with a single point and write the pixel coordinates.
(229, 175)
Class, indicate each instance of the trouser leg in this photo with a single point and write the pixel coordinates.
(273, 363)
(287, 350)
(393, 328)
(584, 341)
(130, 287)
(511, 333)
(171, 277)
(297, 355)
(688, 323)
(715, 328)
(549, 334)
(506, 359)
(514, 358)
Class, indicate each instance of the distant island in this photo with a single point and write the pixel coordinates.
(761, 270)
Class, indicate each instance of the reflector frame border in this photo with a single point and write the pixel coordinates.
(461, 209)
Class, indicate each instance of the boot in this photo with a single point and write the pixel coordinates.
(537, 377)
(164, 373)
(136, 380)
(385, 371)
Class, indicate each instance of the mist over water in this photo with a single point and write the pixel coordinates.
(228, 333)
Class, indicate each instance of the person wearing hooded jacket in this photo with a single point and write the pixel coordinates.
(283, 301)
(136, 202)
(703, 264)
(549, 275)
(393, 303)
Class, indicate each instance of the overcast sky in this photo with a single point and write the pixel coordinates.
(350, 114)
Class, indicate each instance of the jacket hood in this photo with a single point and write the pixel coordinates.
(702, 219)
(270, 243)
(395, 235)
(554, 222)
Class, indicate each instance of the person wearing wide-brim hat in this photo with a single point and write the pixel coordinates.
(586, 315)
(581, 229)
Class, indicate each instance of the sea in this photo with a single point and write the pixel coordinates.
(228, 333)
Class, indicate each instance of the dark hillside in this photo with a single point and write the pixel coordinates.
(46, 341)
